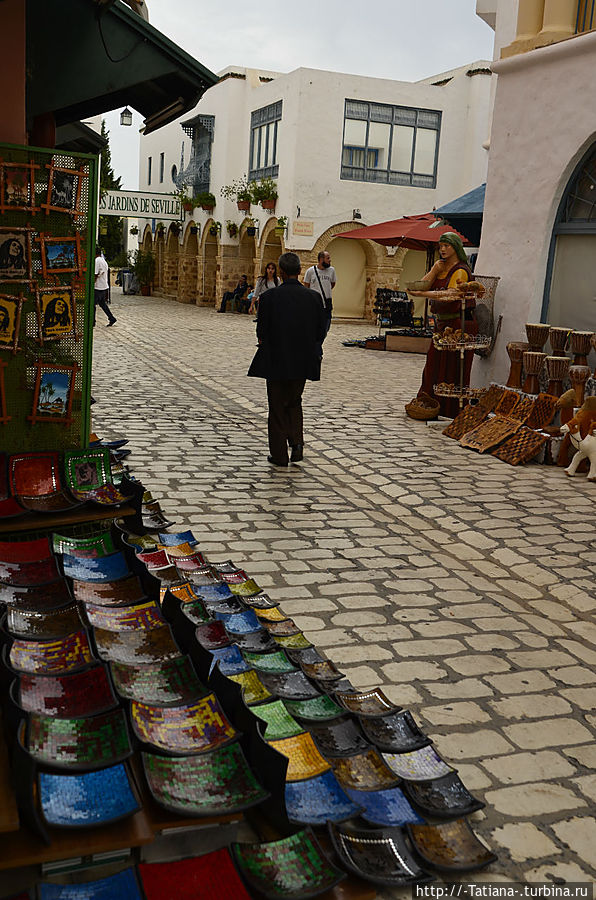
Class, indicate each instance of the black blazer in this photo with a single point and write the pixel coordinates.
(291, 326)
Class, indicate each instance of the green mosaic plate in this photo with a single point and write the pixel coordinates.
(167, 683)
(317, 709)
(292, 641)
(216, 783)
(280, 723)
(253, 689)
(88, 743)
(90, 547)
(269, 662)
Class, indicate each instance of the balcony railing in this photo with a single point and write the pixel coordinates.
(585, 16)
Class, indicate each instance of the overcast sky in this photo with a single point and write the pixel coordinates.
(402, 39)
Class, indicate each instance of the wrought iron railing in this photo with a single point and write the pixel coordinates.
(585, 16)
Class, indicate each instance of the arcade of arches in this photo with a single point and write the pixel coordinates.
(198, 268)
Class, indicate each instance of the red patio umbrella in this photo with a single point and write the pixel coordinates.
(412, 232)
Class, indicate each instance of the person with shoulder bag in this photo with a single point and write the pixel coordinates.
(322, 279)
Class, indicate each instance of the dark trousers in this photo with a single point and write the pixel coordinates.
(284, 423)
(101, 300)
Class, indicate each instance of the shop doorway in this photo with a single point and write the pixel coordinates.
(209, 279)
(349, 295)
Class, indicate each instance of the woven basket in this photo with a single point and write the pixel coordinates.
(423, 413)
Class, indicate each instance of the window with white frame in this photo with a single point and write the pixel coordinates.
(162, 164)
(264, 129)
(390, 144)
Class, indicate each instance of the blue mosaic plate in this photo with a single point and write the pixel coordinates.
(93, 798)
(123, 886)
(240, 623)
(104, 568)
(316, 801)
(213, 591)
(180, 537)
(389, 807)
(229, 659)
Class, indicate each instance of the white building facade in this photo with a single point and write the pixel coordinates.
(344, 150)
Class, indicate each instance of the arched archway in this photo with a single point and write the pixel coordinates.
(147, 239)
(170, 267)
(160, 252)
(271, 245)
(247, 254)
(188, 265)
(569, 285)
(209, 255)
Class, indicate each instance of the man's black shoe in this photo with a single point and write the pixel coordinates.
(297, 454)
(274, 462)
(113, 322)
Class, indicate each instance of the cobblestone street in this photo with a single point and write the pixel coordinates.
(462, 586)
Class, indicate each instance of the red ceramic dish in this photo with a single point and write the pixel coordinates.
(25, 551)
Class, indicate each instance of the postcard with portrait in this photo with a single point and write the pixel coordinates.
(10, 321)
(56, 314)
(15, 254)
(17, 187)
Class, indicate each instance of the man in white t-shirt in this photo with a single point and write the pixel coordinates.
(322, 279)
(101, 287)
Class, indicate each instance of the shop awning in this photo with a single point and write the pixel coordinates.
(85, 58)
(465, 213)
(413, 232)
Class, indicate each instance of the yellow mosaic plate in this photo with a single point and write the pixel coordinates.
(305, 761)
(180, 550)
(183, 592)
(271, 615)
(247, 588)
(253, 689)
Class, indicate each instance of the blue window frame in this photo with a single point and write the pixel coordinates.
(264, 130)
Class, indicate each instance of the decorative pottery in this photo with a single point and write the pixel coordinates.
(388, 807)
(89, 476)
(25, 551)
(367, 703)
(318, 710)
(324, 671)
(89, 799)
(226, 605)
(559, 338)
(339, 737)
(214, 872)
(256, 641)
(213, 591)
(259, 601)
(279, 724)
(271, 614)
(533, 362)
(381, 856)
(253, 689)
(136, 647)
(28, 574)
(122, 886)
(292, 867)
(419, 765)
(450, 847)
(170, 682)
(36, 598)
(82, 743)
(287, 627)
(179, 537)
(292, 641)
(181, 730)
(240, 623)
(365, 771)
(305, 761)
(154, 559)
(318, 800)
(246, 588)
(230, 573)
(194, 612)
(290, 685)
(35, 480)
(90, 547)
(104, 568)
(85, 693)
(557, 368)
(578, 375)
(537, 335)
(442, 798)
(111, 593)
(269, 662)
(51, 623)
(216, 783)
(212, 635)
(515, 351)
(141, 616)
(68, 654)
(229, 660)
(194, 563)
(395, 733)
(580, 347)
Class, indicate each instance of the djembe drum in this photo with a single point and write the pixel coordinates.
(516, 350)
(533, 363)
(557, 369)
(578, 375)
(558, 340)
(580, 346)
(537, 335)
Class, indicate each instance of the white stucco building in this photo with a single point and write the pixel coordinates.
(343, 149)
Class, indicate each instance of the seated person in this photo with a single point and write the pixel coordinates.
(238, 295)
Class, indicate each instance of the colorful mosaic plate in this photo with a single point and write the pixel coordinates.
(292, 641)
(395, 733)
(90, 547)
(339, 737)
(88, 743)
(271, 614)
(84, 693)
(381, 856)
(184, 592)
(112, 593)
(195, 612)
(51, 623)
(450, 847)
(231, 575)
(246, 588)
(287, 627)
(256, 641)
(240, 623)
(209, 877)
(155, 522)
(442, 798)
(38, 598)
(260, 601)
(136, 647)
(104, 568)
(290, 685)
(122, 886)
(89, 799)
(229, 568)
(305, 761)
(230, 661)
(204, 576)
(316, 801)
(217, 783)
(317, 710)
(209, 592)
(364, 771)
(269, 662)
(154, 559)
(139, 542)
(191, 728)
(212, 635)
(226, 605)
(366, 703)
(36, 482)
(87, 471)
(180, 537)
(324, 671)
(386, 807)
(294, 867)
(141, 616)
(253, 689)
(68, 654)
(190, 563)
(419, 765)
(25, 551)
(29, 574)
(171, 682)
(278, 721)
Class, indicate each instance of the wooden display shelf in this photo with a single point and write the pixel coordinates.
(9, 814)
(404, 344)
(50, 521)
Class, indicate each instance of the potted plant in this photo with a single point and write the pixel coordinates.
(215, 228)
(185, 200)
(231, 228)
(134, 230)
(144, 269)
(240, 192)
(264, 192)
(251, 226)
(205, 200)
(282, 224)
(160, 228)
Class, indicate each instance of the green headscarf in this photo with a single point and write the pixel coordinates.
(450, 237)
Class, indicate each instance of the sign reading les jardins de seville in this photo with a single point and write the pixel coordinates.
(140, 205)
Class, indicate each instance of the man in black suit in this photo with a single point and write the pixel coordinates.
(290, 328)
